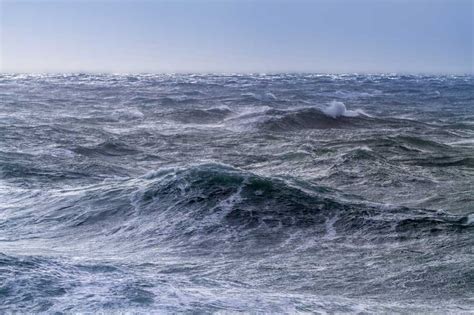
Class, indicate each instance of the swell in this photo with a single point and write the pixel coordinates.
(200, 116)
(405, 149)
(106, 148)
(308, 118)
(213, 206)
(283, 119)
(313, 118)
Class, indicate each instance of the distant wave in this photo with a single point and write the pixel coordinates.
(106, 148)
(313, 118)
(201, 116)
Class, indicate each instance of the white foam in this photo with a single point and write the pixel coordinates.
(271, 96)
(247, 117)
(470, 219)
(228, 203)
(330, 230)
(338, 109)
(462, 142)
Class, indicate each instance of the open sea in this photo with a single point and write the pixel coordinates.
(259, 193)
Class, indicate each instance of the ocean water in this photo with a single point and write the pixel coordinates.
(226, 193)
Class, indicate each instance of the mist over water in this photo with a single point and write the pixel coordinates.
(255, 193)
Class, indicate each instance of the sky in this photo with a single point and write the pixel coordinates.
(324, 36)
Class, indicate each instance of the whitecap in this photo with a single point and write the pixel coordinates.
(271, 96)
(470, 219)
(338, 109)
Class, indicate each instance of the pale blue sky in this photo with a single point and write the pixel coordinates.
(427, 36)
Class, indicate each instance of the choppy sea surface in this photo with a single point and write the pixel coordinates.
(225, 193)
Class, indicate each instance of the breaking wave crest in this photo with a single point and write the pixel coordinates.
(338, 109)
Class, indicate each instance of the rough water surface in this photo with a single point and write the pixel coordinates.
(256, 193)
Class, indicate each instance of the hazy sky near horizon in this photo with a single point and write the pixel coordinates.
(419, 36)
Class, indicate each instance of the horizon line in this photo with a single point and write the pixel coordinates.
(235, 73)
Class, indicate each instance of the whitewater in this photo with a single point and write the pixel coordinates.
(204, 193)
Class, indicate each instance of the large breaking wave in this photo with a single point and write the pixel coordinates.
(213, 206)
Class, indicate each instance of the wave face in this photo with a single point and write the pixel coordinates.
(244, 193)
